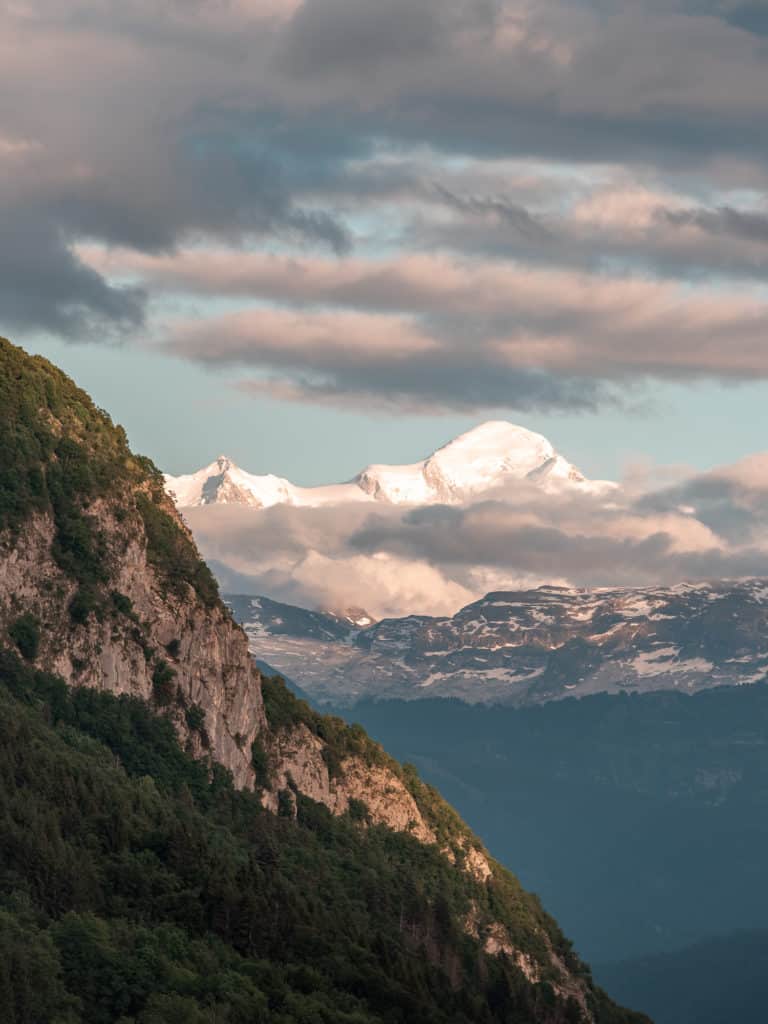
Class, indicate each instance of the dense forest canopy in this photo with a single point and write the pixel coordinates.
(137, 887)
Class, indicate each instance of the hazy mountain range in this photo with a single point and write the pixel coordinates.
(638, 819)
(523, 647)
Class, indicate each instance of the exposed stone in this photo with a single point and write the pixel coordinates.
(298, 759)
(213, 666)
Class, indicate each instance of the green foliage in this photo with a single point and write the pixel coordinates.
(136, 887)
(173, 648)
(286, 803)
(195, 718)
(174, 555)
(285, 711)
(59, 454)
(122, 604)
(260, 763)
(358, 810)
(85, 602)
(46, 422)
(163, 685)
(25, 633)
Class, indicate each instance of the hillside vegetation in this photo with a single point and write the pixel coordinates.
(136, 887)
(60, 453)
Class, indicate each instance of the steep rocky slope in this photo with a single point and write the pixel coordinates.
(100, 574)
(101, 585)
(525, 647)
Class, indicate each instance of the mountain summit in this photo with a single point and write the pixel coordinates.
(224, 483)
(481, 461)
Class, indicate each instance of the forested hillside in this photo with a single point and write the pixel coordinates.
(138, 887)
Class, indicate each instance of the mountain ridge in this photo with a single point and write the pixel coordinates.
(522, 647)
(480, 461)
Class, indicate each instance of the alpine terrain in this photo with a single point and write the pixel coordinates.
(182, 839)
(524, 647)
(494, 455)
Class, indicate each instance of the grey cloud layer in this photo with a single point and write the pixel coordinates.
(411, 128)
(432, 560)
(444, 332)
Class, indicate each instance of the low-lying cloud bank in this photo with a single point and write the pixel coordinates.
(395, 561)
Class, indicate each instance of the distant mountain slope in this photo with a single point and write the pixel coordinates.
(639, 819)
(123, 855)
(717, 981)
(485, 459)
(528, 646)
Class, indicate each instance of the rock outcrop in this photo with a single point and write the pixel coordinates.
(125, 651)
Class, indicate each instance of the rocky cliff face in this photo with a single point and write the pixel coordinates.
(134, 640)
(120, 648)
(101, 584)
(299, 763)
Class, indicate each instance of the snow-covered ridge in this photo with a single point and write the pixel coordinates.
(481, 461)
(525, 647)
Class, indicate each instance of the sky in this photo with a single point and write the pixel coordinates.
(318, 234)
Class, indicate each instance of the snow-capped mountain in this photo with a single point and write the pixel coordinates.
(524, 647)
(224, 483)
(483, 460)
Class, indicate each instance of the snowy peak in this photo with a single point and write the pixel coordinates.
(224, 483)
(482, 460)
(491, 450)
(486, 457)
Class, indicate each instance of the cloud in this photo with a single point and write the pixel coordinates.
(730, 500)
(745, 225)
(44, 284)
(440, 332)
(121, 146)
(525, 202)
(302, 556)
(433, 560)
